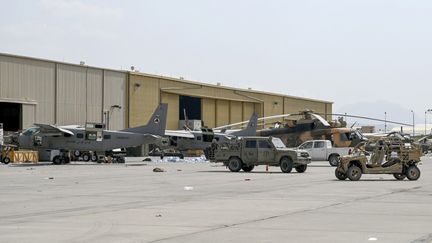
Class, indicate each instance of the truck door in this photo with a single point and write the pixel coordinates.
(319, 150)
(250, 152)
(308, 147)
(265, 152)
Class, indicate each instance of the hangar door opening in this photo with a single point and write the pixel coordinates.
(192, 106)
(11, 116)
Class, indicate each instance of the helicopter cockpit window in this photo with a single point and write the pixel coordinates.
(31, 131)
(345, 136)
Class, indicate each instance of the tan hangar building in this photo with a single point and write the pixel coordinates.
(34, 90)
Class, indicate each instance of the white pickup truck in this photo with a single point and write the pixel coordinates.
(323, 150)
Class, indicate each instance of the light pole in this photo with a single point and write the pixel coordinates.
(413, 123)
(109, 113)
(385, 121)
(427, 111)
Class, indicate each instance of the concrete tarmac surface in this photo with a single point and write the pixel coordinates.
(204, 202)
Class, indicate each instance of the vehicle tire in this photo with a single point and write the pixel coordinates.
(354, 173)
(86, 157)
(334, 160)
(413, 173)
(57, 160)
(247, 168)
(301, 168)
(234, 164)
(341, 176)
(181, 156)
(94, 158)
(286, 164)
(399, 176)
(77, 153)
(121, 160)
(6, 160)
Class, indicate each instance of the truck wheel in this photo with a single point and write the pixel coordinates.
(286, 165)
(57, 160)
(413, 173)
(399, 176)
(354, 173)
(341, 176)
(248, 168)
(334, 160)
(234, 164)
(77, 153)
(301, 168)
(94, 158)
(6, 160)
(66, 160)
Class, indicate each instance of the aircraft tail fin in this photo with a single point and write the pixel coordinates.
(156, 125)
(251, 128)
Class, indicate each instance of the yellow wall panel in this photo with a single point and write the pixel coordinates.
(236, 111)
(173, 111)
(209, 112)
(222, 112)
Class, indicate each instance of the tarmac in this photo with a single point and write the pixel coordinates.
(204, 202)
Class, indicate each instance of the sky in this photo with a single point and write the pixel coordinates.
(370, 54)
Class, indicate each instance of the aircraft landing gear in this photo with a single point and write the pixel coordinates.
(62, 158)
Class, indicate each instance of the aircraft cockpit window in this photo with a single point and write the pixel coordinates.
(31, 131)
(208, 137)
(80, 135)
(345, 136)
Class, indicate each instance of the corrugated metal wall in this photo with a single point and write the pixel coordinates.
(173, 110)
(114, 94)
(62, 93)
(209, 112)
(24, 80)
(222, 112)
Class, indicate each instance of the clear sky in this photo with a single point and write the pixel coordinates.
(350, 52)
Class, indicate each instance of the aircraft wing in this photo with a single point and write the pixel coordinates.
(179, 133)
(45, 128)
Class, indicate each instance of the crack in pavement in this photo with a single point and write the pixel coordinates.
(288, 214)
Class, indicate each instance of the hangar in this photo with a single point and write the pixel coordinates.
(35, 90)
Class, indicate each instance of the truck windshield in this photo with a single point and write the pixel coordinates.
(278, 143)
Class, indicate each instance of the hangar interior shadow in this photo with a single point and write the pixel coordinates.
(11, 116)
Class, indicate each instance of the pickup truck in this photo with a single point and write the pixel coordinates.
(246, 152)
(321, 150)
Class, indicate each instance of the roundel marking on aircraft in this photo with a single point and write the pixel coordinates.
(156, 120)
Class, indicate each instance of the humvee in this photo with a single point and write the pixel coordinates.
(245, 153)
(381, 156)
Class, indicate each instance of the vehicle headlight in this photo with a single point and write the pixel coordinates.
(302, 154)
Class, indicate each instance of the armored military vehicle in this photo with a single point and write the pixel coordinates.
(381, 156)
(245, 153)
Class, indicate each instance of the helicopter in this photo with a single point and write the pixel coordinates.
(312, 126)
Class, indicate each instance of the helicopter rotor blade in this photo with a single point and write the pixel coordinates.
(370, 118)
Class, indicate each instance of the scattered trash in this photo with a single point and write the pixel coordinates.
(49, 178)
(31, 168)
(247, 179)
(188, 188)
(179, 170)
(147, 159)
(158, 215)
(157, 169)
(372, 239)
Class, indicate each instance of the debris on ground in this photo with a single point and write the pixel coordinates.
(188, 188)
(157, 169)
(158, 215)
(247, 179)
(49, 178)
(179, 170)
(147, 159)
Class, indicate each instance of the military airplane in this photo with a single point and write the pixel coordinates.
(312, 126)
(92, 137)
(183, 140)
